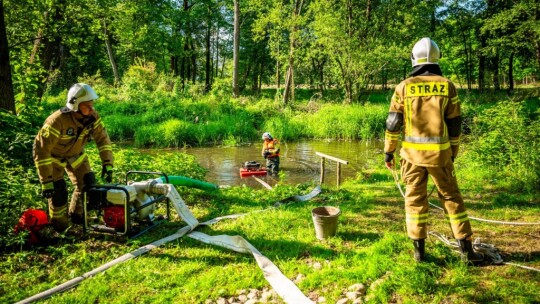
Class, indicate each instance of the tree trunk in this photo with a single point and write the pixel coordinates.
(288, 94)
(7, 98)
(193, 62)
(278, 75)
(255, 75)
(287, 90)
(481, 64)
(208, 64)
(236, 43)
(110, 53)
(537, 40)
(217, 50)
(37, 41)
(321, 77)
(247, 72)
(511, 72)
(495, 71)
(347, 83)
(318, 68)
(173, 65)
(468, 71)
(223, 66)
(183, 72)
(51, 58)
(186, 64)
(261, 72)
(184, 67)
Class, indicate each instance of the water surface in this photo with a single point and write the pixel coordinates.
(299, 163)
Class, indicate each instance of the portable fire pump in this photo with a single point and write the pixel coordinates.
(126, 209)
(252, 167)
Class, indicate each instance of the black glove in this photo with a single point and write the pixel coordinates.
(388, 157)
(47, 190)
(266, 154)
(106, 173)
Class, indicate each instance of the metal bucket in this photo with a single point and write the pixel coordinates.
(325, 220)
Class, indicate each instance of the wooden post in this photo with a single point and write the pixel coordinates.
(322, 171)
(338, 174)
(337, 160)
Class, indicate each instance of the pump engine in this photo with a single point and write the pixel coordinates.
(251, 165)
(124, 209)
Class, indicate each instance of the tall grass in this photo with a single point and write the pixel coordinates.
(504, 144)
(499, 133)
(170, 122)
(348, 122)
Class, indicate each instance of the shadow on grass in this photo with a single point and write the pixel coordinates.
(358, 236)
(273, 249)
(377, 177)
(492, 201)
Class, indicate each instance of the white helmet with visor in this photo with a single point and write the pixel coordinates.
(425, 51)
(78, 93)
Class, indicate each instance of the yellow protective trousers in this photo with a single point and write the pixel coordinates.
(58, 207)
(416, 200)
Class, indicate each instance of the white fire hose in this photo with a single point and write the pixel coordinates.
(488, 250)
(284, 287)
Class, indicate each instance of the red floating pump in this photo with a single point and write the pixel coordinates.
(114, 217)
(32, 220)
(251, 165)
(250, 168)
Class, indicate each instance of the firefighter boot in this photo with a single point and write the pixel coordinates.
(468, 254)
(419, 250)
(58, 206)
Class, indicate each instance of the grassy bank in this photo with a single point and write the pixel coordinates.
(370, 248)
(500, 139)
(498, 170)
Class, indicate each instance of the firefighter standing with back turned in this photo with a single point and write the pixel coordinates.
(426, 105)
(59, 146)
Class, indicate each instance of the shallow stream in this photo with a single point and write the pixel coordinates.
(299, 163)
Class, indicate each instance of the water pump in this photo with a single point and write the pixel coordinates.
(125, 209)
(251, 165)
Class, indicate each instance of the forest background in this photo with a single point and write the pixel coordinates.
(184, 73)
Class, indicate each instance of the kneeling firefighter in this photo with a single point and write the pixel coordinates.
(59, 147)
(270, 152)
(427, 106)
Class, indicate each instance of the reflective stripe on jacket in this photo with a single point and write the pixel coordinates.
(62, 138)
(425, 105)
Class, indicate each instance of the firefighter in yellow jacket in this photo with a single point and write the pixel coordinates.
(270, 152)
(426, 109)
(59, 147)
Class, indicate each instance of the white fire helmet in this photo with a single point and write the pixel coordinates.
(425, 51)
(266, 135)
(79, 92)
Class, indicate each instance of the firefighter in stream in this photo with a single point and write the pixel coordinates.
(270, 152)
(427, 106)
(59, 146)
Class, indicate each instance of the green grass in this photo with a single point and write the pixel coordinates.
(370, 247)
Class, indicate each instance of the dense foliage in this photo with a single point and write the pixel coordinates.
(19, 184)
(505, 140)
(310, 69)
(354, 46)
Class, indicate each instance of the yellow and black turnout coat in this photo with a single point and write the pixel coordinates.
(61, 141)
(427, 108)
